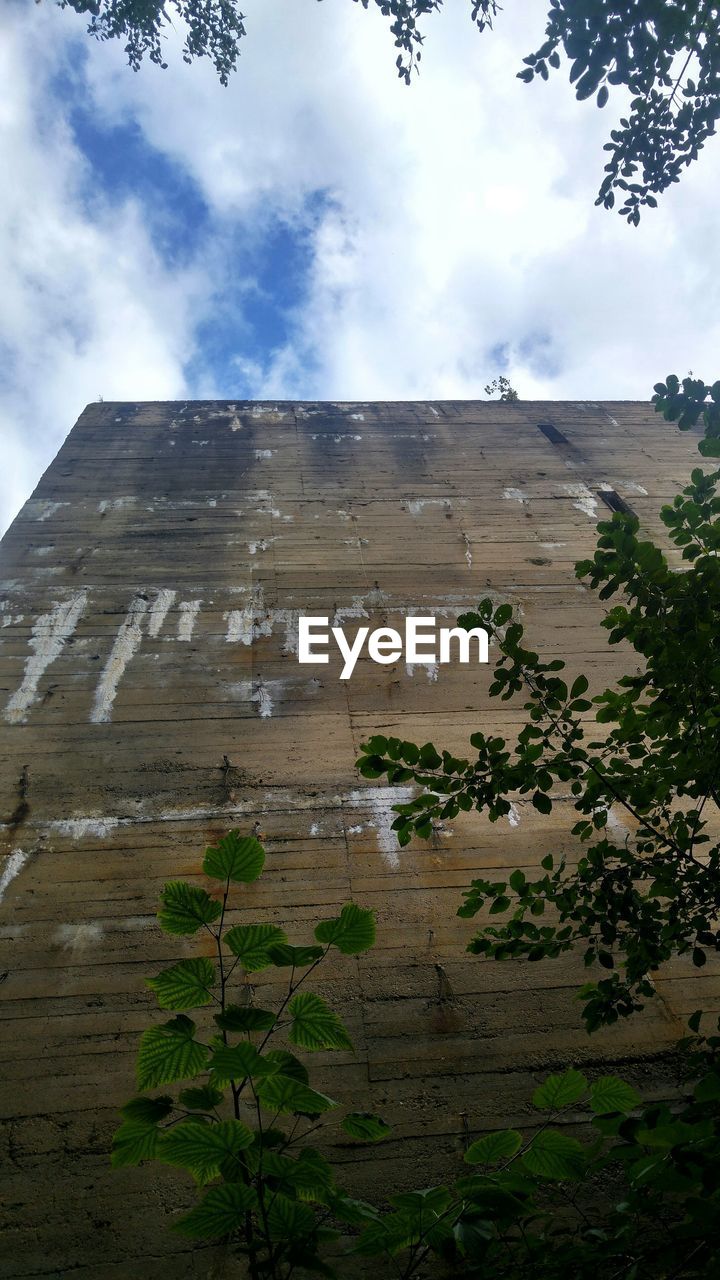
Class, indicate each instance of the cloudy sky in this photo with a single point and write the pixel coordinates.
(320, 231)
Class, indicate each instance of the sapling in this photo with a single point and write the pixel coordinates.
(242, 1124)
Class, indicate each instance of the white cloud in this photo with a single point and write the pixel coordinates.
(87, 307)
(459, 221)
(463, 215)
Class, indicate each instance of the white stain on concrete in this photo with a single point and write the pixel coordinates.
(262, 454)
(159, 610)
(431, 669)
(355, 610)
(266, 506)
(380, 801)
(127, 643)
(80, 828)
(43, 510)
(288, 618)
(617, 831)
(260, 544)
(235, 423)
(14, 864)
(585, 501)
(358, 417)
(116, 504)
(416, 505)
(551, 546)
(239, 626)
(76, 938)
(49, 634)
(11, 620)
(515, 495)
(433, 411)
(468, 551)
(263, 410)
(249, 623)
(513, 816)
(633, 487)
(264, 700)
(187, 615)
(337, 439)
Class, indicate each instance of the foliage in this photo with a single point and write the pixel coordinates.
(242, 1123)
(688, 403)
(502, 387)
(213, 28)
(650, 750)
(525, 1207)
(665, 56)
(530, 1207)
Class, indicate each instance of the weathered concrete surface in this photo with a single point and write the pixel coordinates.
(149, 604)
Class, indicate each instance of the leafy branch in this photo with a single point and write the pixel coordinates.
(638, 896)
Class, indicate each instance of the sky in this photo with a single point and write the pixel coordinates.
(318, 230)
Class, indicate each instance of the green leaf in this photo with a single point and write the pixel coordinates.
(499, 905)
(289, 1219)
(560, 1091)
(494, 1147)
(365, 1127)
(134, 1141)
(708, 1089)
(289, 1097)
(710, 447)
(356, 1212)
(283, 955)
(432, 1199)
(351, 932)
(168, 1053)
(239, 1017)
(694, 1020)
(542, 803)
(429, 758)
(186, 985)
(314, 1024)
(203, 1147)
(518, 881)
(286, 1064)
(221, 1211)
(150, 1110)
(553, 1155)
(310, 1175)
(186, 909)
(580, 686)
(235, 857)
(203, 1098)
(610, 1094)
(251, 942)
(234, 1062)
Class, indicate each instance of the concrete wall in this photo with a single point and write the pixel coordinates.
(149, 607)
